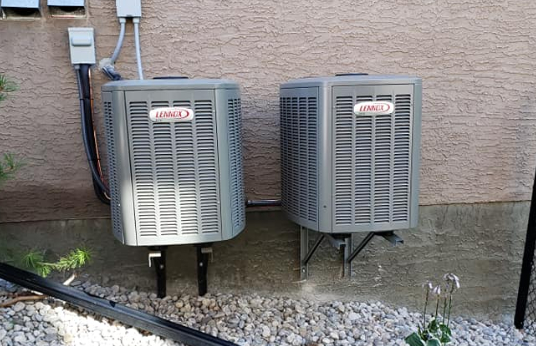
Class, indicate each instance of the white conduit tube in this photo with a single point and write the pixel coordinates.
(120, 40)
(136, 22)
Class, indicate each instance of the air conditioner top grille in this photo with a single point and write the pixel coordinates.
(351, 80)
(169, 84)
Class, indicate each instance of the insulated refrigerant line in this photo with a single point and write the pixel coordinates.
(110, 309)
(88, 132)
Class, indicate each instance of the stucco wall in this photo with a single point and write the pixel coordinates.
(476, 59)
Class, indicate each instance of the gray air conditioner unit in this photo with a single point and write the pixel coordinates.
(350, 152)
(175, 160)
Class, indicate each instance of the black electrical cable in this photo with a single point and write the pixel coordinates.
(86, 111)
(102, 195)
(87, 125)
(89, 138)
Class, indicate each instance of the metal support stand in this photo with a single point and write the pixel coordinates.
(157, 257)
(305, 252)
(347, 250)
(360, 247)
(203, 253)
(343, 242)
(390, 236)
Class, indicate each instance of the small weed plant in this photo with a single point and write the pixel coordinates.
(6, 86)
(76, 259)
(436, 332)
(8, 167)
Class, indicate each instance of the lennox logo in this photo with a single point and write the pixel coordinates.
(374, 108)
(171, 114)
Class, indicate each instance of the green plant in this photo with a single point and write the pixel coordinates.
(437, 331)
(8, 166)
(35, 261)
(6, 86)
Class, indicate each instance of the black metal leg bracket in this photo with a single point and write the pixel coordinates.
(204, 251)
(157, 258)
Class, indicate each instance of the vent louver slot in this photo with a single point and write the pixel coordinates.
(235, 160)
(363, 166)
(382, 164)
(402, 163)
(299, 126)
(143, 174)
(206, 167)
(117, 224)
(344, 161)
(186, 173)
(166, 206)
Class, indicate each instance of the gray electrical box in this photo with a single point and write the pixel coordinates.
(175, 160)
(34, 4)
(82, 45)
(128, 8)
(350, 148)
(66, 3)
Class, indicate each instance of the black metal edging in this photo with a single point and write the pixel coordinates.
(106, 308)
(528, 260)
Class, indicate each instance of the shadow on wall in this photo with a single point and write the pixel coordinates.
(482, 243)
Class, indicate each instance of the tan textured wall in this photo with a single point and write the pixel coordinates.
(476, 58)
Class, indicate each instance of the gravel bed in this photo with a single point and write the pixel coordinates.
(246, 320)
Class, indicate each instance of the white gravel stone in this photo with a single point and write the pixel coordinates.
(245, 320)
(19, 306)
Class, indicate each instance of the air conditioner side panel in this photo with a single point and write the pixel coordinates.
(416, 154)
(325, 154)
(120, 178)
(229, 128)
(300, 146)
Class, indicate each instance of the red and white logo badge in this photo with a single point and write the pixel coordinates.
(374, 108)
(171, 114)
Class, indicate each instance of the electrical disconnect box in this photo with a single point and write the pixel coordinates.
(28, 4)
(128, 8)
(82, 46)
(66, 3)
(175, 160)
(350, 152)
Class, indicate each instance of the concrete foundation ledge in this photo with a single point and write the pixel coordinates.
(481, 243)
